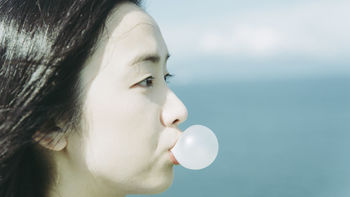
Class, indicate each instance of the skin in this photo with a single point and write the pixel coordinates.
(130, 121)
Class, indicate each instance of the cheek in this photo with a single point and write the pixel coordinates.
(122, 134)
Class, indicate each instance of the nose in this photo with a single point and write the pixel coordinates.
(174, 111)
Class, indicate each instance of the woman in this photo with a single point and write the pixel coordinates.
(84, 106)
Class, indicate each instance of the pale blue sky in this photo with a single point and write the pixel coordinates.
(229, 40)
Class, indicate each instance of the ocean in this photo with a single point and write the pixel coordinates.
(277, 138)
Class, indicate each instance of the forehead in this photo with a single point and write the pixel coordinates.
(126, 17)
(129, 32)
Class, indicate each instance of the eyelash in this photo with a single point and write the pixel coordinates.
(149, 80)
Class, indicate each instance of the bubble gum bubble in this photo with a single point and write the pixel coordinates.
(197, 148)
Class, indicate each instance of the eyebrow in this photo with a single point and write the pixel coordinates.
(154, 58)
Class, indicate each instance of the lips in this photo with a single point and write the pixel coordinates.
(175, 139)
(172, 158)
(171, 155)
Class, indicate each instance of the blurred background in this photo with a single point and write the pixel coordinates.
(272, 80)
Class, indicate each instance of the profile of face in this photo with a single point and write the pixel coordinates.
(130, 116)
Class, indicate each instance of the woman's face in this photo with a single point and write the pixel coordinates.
(130, 115)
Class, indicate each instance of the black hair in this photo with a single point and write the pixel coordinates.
(43, 47)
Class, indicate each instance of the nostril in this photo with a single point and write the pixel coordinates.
(176, 121)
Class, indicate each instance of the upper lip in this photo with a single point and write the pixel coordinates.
(175, 141)
(172, 146)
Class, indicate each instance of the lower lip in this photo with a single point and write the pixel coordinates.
(172, 158)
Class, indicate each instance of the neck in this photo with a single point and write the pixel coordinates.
(74, 181)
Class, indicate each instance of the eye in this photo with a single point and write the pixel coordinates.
(148, 82)
(167, 76)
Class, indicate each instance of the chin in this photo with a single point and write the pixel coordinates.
(156, 184)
